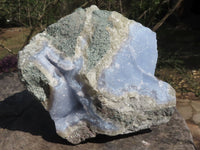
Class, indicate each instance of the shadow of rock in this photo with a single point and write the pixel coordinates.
(104, 138)
(23, 112)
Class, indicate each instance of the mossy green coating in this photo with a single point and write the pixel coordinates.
(66, 31)
(36, 82)
(100, 40)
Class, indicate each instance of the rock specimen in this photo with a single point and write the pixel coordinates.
(94, 72)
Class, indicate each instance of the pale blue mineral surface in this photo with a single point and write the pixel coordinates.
(93, 71)
(133, 67)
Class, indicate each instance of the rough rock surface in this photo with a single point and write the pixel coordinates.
(94, 72)
(29, 127)
(9, 84)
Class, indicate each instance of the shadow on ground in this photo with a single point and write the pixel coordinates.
(24, 113)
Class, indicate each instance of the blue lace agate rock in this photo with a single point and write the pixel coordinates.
(93, 71)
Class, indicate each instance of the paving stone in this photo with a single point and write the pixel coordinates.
(185, 111)
(195, 130)
(196, 105)
(196, 118)
(10, 84)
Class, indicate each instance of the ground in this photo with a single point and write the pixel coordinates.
(179, 65)
(12, 38)
(190, 111)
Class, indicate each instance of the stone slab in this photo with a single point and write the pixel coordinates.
(9, 84)
(185, 111)
(196, 105)
(24, 124)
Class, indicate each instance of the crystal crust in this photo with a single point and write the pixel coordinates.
(102, 82)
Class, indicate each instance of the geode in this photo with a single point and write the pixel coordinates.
(93, 71)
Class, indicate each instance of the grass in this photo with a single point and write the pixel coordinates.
(179, 60)
(185, 81)
(179, 47)
(12, 38)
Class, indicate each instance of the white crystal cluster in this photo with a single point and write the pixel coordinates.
(94, 72)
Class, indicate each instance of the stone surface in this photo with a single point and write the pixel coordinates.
(94, 72)
(189, 110)
(196, 118)
(185, 110)
(9, 84)
(29, 127)
(196, 105)
(195, 130)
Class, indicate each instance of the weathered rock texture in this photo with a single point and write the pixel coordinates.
(9, 84)
(94, 72)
